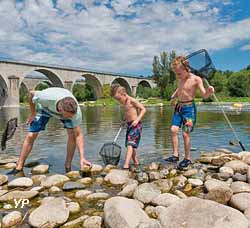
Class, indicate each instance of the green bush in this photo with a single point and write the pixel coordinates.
(106, 90)
(146, 92)
(83, 92)
(42, 86)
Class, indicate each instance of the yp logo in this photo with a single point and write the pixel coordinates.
(21, 202)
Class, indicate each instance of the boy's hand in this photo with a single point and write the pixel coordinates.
(172, 102)
(84, 162)
(135, 123)
(30, 118)
(210, 90)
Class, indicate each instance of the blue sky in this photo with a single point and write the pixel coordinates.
(124, 35)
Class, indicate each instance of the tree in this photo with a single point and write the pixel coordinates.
(42, 86)
(162, 73)
(106, 90)
(83, 92)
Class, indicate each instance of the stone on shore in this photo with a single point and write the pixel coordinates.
(51, 213)
(76, 222)
(240, 201)
(93, 222)
(73, 174)
(237, 166)
(21, 182)
(3, 179)
(239, 187)
(96, 168)
(128, 190)
(164, 185)
(195, 182)
(4, 159)
(85, 180)
(97, 196)
(73, 207)
(37, 179)
(117, 177)
(40, 169)
(18, 195)
(82, 194)
(239, 177)
(165, 200)
(245, 156)
(227, 170)
(68, 186)
(11, 219)
(54, 180)
(190, 173)
(196, 213)
(146, 192)
(120, 212)
(218, 191)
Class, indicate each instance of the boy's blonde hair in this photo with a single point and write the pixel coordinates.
(117, 88)
(180, 61)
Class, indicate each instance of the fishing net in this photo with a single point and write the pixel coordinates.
(110, 153)
(201, 64)
(8, 132)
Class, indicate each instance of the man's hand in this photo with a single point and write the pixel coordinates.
(210, 90)
(84, 162)
(135, 123)
(30, 118)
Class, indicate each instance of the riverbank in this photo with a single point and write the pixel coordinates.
(213, 192)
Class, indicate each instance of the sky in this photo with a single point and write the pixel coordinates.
(123, 35)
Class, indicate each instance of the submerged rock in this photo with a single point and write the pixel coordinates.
(40, 169)
(93, 222)
(117, 177)
(21, 182)
(72, 186)
(11, 219)
(76, 222)
(18, 195)
(3, 179)
(54, 180)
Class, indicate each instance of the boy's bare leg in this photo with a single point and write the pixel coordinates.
(187, 144)
(175, 143)
(26, 148)
(71, 146)
(128, 157)
(134, 157)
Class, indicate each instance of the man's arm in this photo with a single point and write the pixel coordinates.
(140, 106)
(205, 93)
(80, 145)
(32, 107)
(174, 95)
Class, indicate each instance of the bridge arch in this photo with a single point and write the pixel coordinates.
(123, 82)
(144, 83)
(3, 91)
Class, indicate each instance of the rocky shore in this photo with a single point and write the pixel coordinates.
(213, 193)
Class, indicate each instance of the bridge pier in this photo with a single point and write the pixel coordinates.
(13, 92)
(134, 88)
(68, 85)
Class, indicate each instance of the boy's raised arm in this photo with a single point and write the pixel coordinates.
(140, 106)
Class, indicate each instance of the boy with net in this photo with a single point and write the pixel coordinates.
(185, 108)
(134, 112)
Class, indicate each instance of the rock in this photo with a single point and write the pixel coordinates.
(165, 200)
(128, 190)
(154, 175)
(37, 188)
(173, 172)
(195, 182)
(72, 186)
(146, 192)
(151, 224)
(7, 206)
(18, 195)
(196, 213)
(245, 157)
(151, 211)
(2, 192)
(93, 222)
(82, 194)
(37, 179)
(180, 194)
(54, 180)
(76, 222)
(238, 166)
(86, 181)
(3, 179)
(188, 188)
(52, 212)
(218, 191)
(8, 159)
(40, 169)
(164, 173)
(11, 219)
(227, 170)
(10, 165)
(190, 172)
(98, 196)
(96, 168)
(240, 177)
(248, 175)
(154, 166)
(164, 185)
(120, 212)
(247, 214)
(240, 201)
(21, 182)
(54, 189)
(180, 181)
(109, 167)
(222, 176)
(117, 177)
(73, 207)
(239, 187)
(73, 174)
(142, 177)
(99, 180)
(141, 205)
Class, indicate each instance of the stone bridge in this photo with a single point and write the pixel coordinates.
(13, 74)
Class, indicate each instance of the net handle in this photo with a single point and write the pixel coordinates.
(117, 135)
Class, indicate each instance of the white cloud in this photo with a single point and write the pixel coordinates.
(123, 38)
(245, 47)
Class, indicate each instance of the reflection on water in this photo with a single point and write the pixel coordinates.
(100, 125)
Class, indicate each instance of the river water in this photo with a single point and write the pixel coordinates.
(100, 124)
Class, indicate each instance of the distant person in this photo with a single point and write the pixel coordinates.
(185, 108)
(61, 104)
(134, 112)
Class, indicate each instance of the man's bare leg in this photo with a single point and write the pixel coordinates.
(175, 141)
(134, 157)
(71, 146)
(26, 149)
(128, 157)
(187, 144)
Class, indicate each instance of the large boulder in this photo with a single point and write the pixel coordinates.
(11, 219)
(54, 180)
(120, 212)
(21, 182)
(239, 186)
(51, 213)
(18, 195)
(117, 177)
(165, 199)
(240, 201)
(146, 192)
(237, 166)
(196, 213)
(218, 191)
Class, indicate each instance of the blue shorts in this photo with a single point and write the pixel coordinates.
(42, 118)
(133, 135)
(185, 116)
